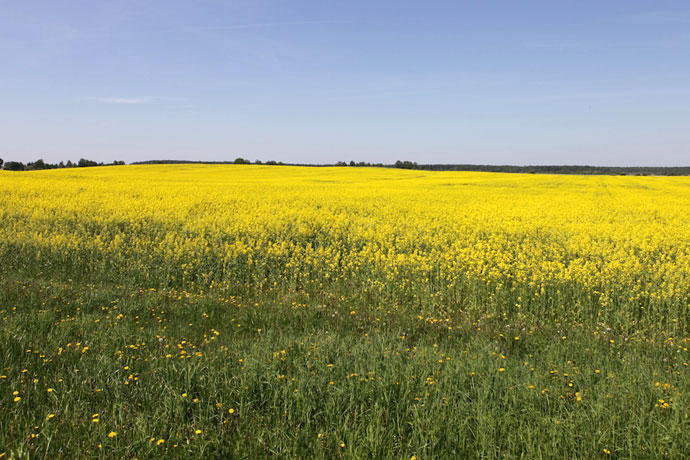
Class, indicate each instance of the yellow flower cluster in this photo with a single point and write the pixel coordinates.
(517, 243)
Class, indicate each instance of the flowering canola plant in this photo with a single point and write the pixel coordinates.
(611, 249)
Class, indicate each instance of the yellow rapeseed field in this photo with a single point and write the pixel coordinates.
(608, 247)
(209, 311)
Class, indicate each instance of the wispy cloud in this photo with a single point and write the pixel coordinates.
(122, 100)
(258, 25)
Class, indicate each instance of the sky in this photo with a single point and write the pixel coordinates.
(603, 82)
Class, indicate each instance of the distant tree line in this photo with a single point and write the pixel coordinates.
(40, 164)
(404, 164)
(400, 164)
(242, 161)
(236, 161)
(558, 169)
(359, 164)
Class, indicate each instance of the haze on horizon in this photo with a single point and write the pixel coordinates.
(536, 82)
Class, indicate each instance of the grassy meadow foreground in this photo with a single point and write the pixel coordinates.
(254, 311)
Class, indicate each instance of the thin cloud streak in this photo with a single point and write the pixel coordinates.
(258, 25)
(122, 100)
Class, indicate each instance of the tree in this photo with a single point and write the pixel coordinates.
(405, 164)
(14, 166)
(38, 164)
(242, 161)
(83, 162)
(1, 162)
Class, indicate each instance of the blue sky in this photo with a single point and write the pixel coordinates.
(493, 82)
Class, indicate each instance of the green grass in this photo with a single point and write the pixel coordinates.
(162, 364)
